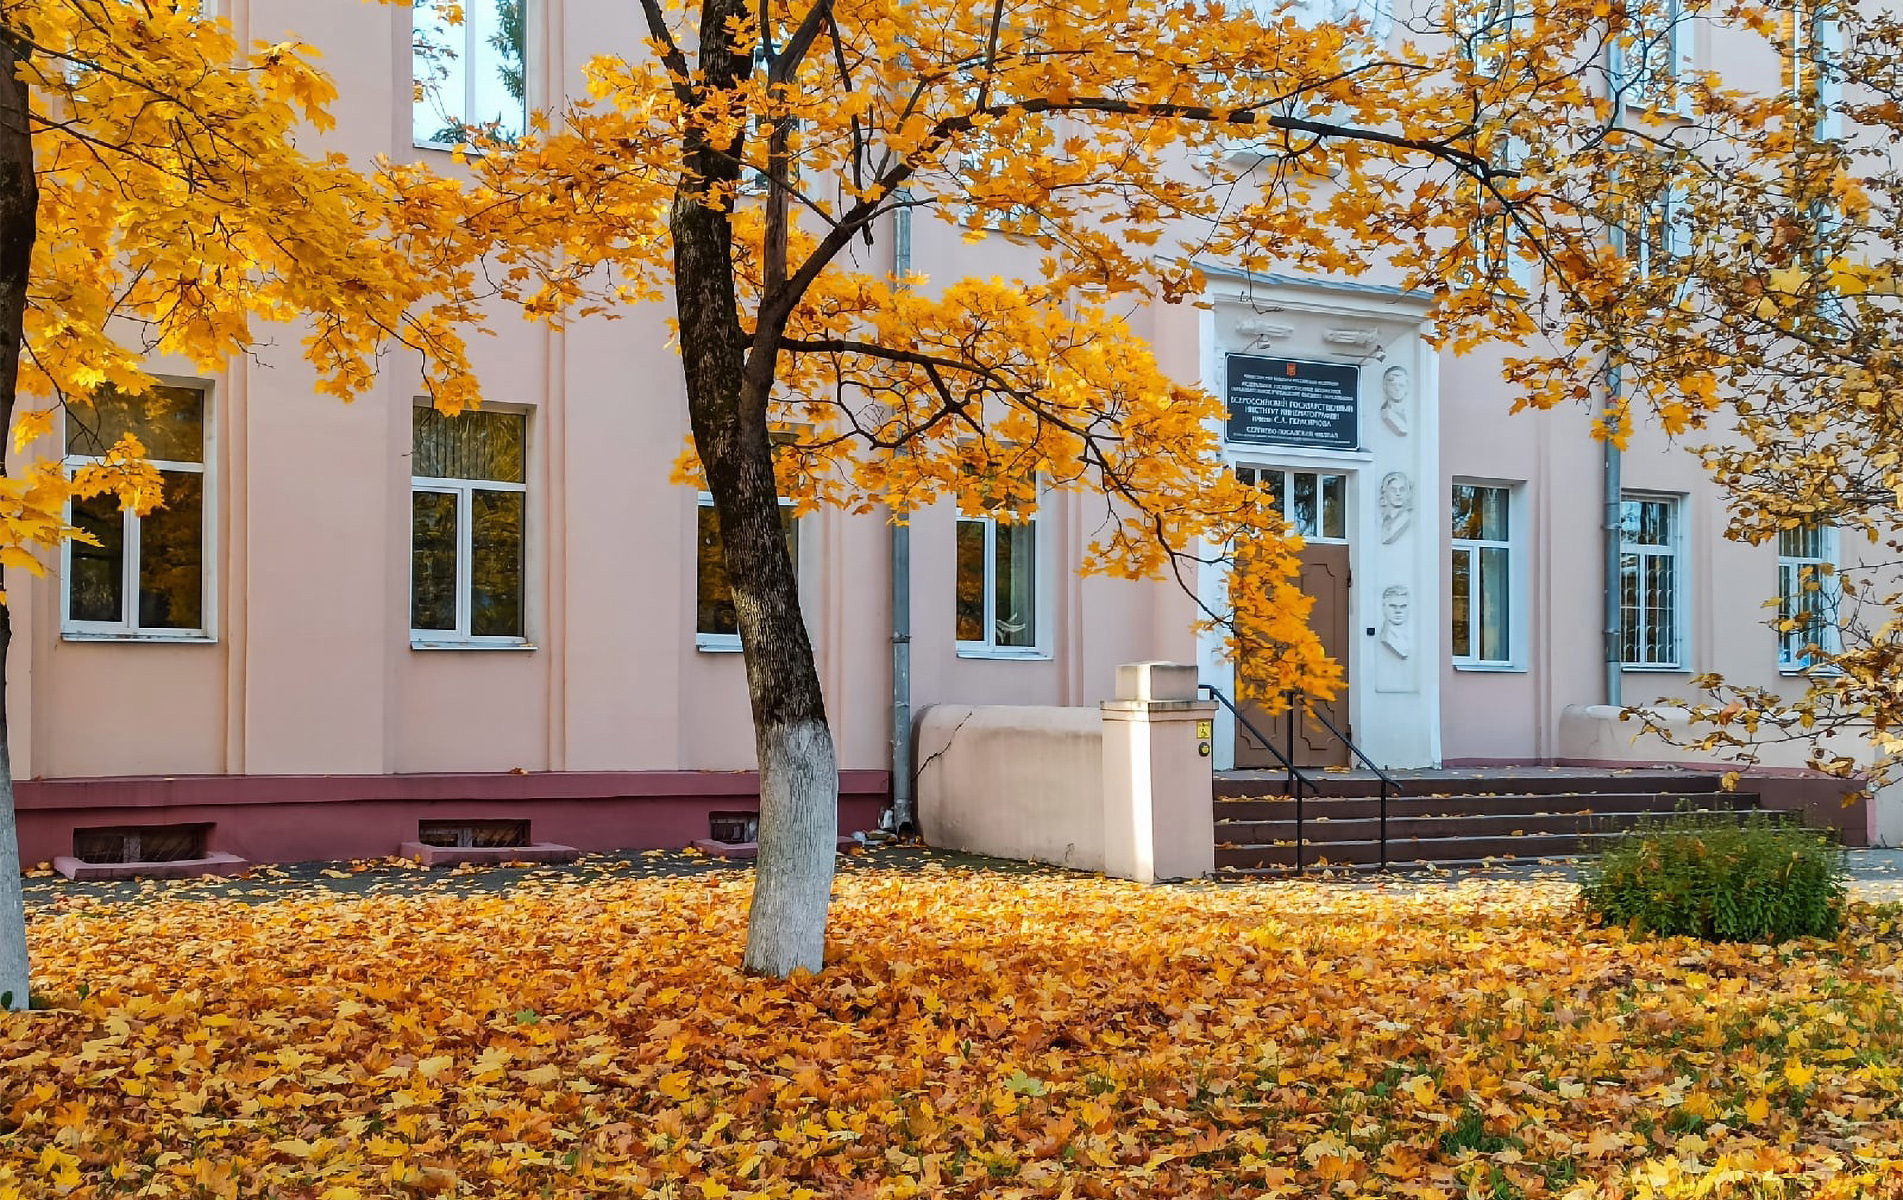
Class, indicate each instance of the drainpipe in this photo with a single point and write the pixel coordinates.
(904, 820)
(1615, 619)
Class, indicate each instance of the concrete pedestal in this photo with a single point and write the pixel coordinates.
(1158, 775)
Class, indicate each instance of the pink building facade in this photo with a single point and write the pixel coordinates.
(352, 621)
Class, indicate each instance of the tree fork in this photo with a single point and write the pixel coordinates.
(19, 216)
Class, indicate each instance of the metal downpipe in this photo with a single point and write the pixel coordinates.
(904, 815)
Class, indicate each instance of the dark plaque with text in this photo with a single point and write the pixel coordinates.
(1285, 402)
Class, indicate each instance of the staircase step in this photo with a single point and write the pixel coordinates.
(1444, 841)
(1331, 828)
(1527, 847)
(1534, 781)
(1373, 868)
(1349, 807)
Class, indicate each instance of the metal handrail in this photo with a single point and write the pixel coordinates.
(1297, 781)
(1387, 781)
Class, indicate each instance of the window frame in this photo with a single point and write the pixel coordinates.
(1829, 639)
(1643, 92)
(1517, 608)
(729, 643)
(1674, 551)
(1662, 237)
(464, 490)
(128, 628)
(467, 31)
(1040, 647)
(1258, 478)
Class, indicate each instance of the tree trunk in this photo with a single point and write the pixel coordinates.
(19, 215)
(13, 964)
(799, 775)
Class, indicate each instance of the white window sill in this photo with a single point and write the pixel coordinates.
(1491, 668)
(470, 149)
(717, 643)
(1005, 654)
(417, 643)
(1654, 669)
(98, 635)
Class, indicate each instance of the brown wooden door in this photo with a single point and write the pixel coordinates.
(1325, 577)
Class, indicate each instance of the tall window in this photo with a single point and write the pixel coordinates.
(1650, 580)
(1811, 43)
(470, 77)
(716, 624)
(146, 575)
(1482, 575)
(997, 582)
(1807, 595)
(1661, 232)
(1655, 54)
(468, 515)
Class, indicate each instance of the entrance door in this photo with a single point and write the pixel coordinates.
(1325, 577)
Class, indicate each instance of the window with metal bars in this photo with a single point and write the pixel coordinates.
(1650, 581)
(1807, 596)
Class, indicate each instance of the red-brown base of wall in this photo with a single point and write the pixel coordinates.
(301, 818)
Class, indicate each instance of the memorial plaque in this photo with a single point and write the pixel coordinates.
(1286, 402)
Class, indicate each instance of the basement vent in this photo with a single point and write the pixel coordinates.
(141, 843)
(464, 835)
(733, 827)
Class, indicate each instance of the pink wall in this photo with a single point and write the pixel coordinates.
(312, 671)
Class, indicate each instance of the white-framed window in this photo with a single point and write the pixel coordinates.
(1651, 581)
(1499, 245)
(716, 625)
(470, 78)
(1484, 587)
(999, 592)
(1807, 596)
(147, 578)
(1657, 53)
(1314, 503)
(1662, 232)
(468, 529)
(1811, 44)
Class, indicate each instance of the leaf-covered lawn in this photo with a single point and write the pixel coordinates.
(977, 1034)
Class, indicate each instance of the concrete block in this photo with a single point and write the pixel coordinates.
(1153, 681)
(456, 856)
(217, 863)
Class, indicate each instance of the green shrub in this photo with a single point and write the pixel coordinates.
(1723, 879)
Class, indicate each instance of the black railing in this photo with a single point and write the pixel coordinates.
(1299, 782)
(1387, 781)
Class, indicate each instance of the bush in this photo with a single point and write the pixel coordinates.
(1723, 879)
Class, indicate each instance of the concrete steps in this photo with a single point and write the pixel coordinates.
(1448, 818)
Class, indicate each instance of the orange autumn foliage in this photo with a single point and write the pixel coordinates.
(974, 1034)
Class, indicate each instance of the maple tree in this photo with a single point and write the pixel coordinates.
(750, 169)
(1790, 321)
(154, 200)
(596, 1035)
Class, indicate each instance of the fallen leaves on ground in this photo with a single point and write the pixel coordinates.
(975, 1034)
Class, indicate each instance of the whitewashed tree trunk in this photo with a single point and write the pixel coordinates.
(799, 831)
(13, 968)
